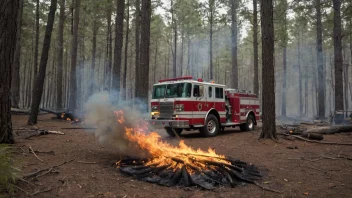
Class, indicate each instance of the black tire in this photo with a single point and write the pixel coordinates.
(211, 127)
(249, 125)
(171, 131)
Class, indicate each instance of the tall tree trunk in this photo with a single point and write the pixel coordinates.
(234, 81)
(145, 42)
(182, 49)
(174, 24)
(268, 71)
(74, 46)
(338, 56)
(155, 59)
(320, 64)
(137, 81)
(300, 102)
(36, 49)
(94, 50)
(255, 47)
(120, 7)
(81, 67)
(60, 57)
(189, 56)
(284, 81)
(211, 21)
(8, 24)
(109, 41)
(124, 80)
(39, 82)
(15, 83)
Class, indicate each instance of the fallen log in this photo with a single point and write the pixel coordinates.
(315, 141)
(330, 129)
(312, 136)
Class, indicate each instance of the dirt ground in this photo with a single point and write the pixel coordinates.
(309, 170)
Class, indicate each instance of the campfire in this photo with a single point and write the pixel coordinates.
(181, 165)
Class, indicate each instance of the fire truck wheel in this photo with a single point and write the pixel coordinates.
(211, 127)
(172, 131)
(249, 125)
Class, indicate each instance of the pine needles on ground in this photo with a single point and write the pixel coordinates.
(8, 173)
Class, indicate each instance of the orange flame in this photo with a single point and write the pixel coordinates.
(68, 119)
(164, 153)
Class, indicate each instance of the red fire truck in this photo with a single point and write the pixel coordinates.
(184, 103)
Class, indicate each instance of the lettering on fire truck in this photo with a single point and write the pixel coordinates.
(185, 103)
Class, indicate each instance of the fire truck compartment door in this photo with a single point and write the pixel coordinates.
(198, 103)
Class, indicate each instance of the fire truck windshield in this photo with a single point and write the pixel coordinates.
(177, 90)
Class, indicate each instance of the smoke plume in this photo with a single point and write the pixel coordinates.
(99, 113)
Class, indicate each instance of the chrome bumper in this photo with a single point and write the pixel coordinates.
(168, 123)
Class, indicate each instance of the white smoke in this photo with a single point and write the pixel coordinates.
(99, 113)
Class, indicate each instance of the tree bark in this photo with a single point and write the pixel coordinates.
(320, 63)
(211, 21)
(137, 83)
(300, 100)
(234, 44)
(94, 50)
(60, 56)
(268, 77)
(108, 72)
(182, 49)
(255, 47)
(124, 80)
(74, 46)
(36, 49)
(284, 89)
(8, 24)
(145, 42)
(120, 7)
(39, 80)
(189, 56)
(338, 56)
(15, 83)
(174, 25)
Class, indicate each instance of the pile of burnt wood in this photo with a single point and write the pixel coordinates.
(212, 174)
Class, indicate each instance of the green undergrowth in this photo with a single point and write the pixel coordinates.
(8, 171)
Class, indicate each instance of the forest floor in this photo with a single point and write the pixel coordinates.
(307, 170)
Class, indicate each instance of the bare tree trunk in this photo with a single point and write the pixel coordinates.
(211, 21)
(15, 83)
(124, 80)
(283, 99)
(145, 42)
(155, 59)
(8, 25)
(255, 47)
(120, 7)
(94, 50)
(36, 49)
(320, 63)
(182, 49)
(189, 51)
(268, 72)
(300, 100)
(39, 82)
(137, 81)
(108, 72)
(234, 44)
(74, 46)
(338, 56)
(60, 57)
(174, 24)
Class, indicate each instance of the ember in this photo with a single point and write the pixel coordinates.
(181, 165)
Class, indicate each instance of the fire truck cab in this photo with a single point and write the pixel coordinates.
(184, 103)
